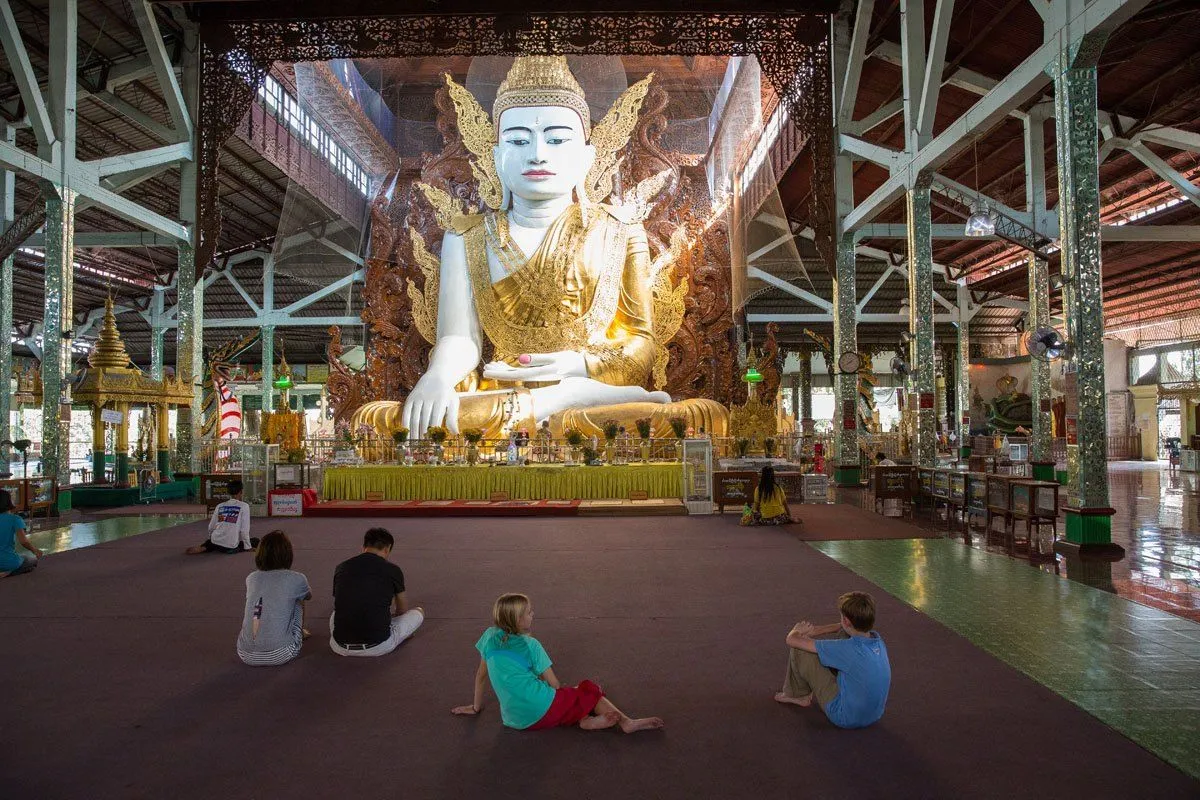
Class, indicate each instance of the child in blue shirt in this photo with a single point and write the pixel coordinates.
(844, 665)
(530, 695)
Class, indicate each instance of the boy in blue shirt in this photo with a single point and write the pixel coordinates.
(843, 665)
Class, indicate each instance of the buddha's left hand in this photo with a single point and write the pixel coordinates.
(539, 367)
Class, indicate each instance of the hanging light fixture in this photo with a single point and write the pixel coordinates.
(980, 222)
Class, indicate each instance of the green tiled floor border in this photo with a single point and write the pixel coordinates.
(1134, 667)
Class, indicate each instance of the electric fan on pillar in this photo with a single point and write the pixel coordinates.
(1045, 343)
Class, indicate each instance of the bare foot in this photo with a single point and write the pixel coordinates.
(630, 725)
(794, 701)
(194, 551)
(600, 721)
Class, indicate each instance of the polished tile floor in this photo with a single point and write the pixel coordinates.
(1157, 522)
(98, 530)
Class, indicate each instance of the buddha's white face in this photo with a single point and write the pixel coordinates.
(542, 153)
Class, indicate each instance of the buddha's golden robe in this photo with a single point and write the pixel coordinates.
(587, 288)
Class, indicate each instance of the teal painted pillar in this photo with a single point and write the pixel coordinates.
(1088, 516)
(920, 320)
(845, 340)
(57, 315)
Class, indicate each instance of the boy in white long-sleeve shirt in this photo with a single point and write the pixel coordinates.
(229, 528)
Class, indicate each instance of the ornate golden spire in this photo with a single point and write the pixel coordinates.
(109, 351)
(541, 81)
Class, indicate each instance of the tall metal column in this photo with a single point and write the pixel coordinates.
(1040, 454)
(920, 319)
(1088, 518)
(268, 367)
(57, 316)
(158, 333)
(962, 391)
(7, 215)
(187, 342)
(189, 347)
(157, 341)
(806, 417)
(845, 340)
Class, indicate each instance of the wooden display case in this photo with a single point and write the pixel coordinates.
(1035, 502)
(976, 500)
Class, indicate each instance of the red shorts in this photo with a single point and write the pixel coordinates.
(571, 704)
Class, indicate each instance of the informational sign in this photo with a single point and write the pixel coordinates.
(286, 474)
(214, 488)
(639, 494)
(111, 417)
(285, 504)
(348, 456)
(893, 483)
(926, 401)
(498, 497)
(733, 488)
(816, 488)
(374, 497)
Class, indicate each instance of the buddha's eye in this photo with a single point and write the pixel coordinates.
(556, 140)
(518, 142)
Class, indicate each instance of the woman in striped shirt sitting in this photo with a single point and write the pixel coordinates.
(273, 622)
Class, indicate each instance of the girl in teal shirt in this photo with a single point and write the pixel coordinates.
(12, 530)
(530, 695)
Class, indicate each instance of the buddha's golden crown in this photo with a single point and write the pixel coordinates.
(541, 81)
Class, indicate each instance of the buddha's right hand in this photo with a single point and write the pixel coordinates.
(432, 401)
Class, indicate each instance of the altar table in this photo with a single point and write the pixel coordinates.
(531, 482)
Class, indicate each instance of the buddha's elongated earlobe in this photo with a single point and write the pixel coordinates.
(505, 198)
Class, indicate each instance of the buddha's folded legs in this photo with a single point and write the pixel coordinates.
(523, 408)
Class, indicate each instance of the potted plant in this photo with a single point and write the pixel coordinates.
(473, 437)
(610, 428)
(679, 427)
(437, 434)
(575, 441)
(769, 447)
(589, 455)
(741, 447)
(643, 429)
(400, 439)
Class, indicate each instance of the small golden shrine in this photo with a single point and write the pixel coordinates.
(754, 420)
(283, 426)
(112, 382)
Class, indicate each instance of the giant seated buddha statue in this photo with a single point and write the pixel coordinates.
(557, 279)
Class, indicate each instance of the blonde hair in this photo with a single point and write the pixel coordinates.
(508, 610)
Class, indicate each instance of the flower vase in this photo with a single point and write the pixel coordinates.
(438, 454)
(609, 449)
(472, 453)
(645, 447)
(679, 450)
(575, 456)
